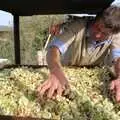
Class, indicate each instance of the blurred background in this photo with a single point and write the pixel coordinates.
(34, 31)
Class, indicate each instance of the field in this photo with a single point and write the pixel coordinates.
(34, 31)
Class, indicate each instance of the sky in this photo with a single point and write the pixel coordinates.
(7, 18)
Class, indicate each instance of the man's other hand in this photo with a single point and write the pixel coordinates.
(55, 29)
(115, 87)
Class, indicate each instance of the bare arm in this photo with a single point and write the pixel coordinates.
(53, 59)
(54, 64)
(56, 82)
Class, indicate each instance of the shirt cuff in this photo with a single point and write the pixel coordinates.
(59, 44)
(115, 53)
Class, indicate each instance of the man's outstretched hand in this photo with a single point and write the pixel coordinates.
(55, 85)
(115, 88)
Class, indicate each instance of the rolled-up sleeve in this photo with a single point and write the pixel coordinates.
(59, 44)
(115, 46)
(115, 53)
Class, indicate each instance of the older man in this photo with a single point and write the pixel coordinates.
(80, 43)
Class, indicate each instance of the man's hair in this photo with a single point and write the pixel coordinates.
(111, 18)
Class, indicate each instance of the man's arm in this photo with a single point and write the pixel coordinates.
(115, 50)
(53, 59)
(54, 64)
(57, 82)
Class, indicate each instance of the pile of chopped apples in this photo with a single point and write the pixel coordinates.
(88, 99)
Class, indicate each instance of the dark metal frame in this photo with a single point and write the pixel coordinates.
(17, 39)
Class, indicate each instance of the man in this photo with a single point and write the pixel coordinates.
(84, 43)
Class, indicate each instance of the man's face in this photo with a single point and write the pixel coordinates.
(99, 32)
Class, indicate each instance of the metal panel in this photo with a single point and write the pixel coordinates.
(32, 7)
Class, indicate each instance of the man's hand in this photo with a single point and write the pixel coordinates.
(55, 29)
(55, 85)
(115, 87)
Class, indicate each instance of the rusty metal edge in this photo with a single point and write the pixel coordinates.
(45, 66)
(8, 117)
